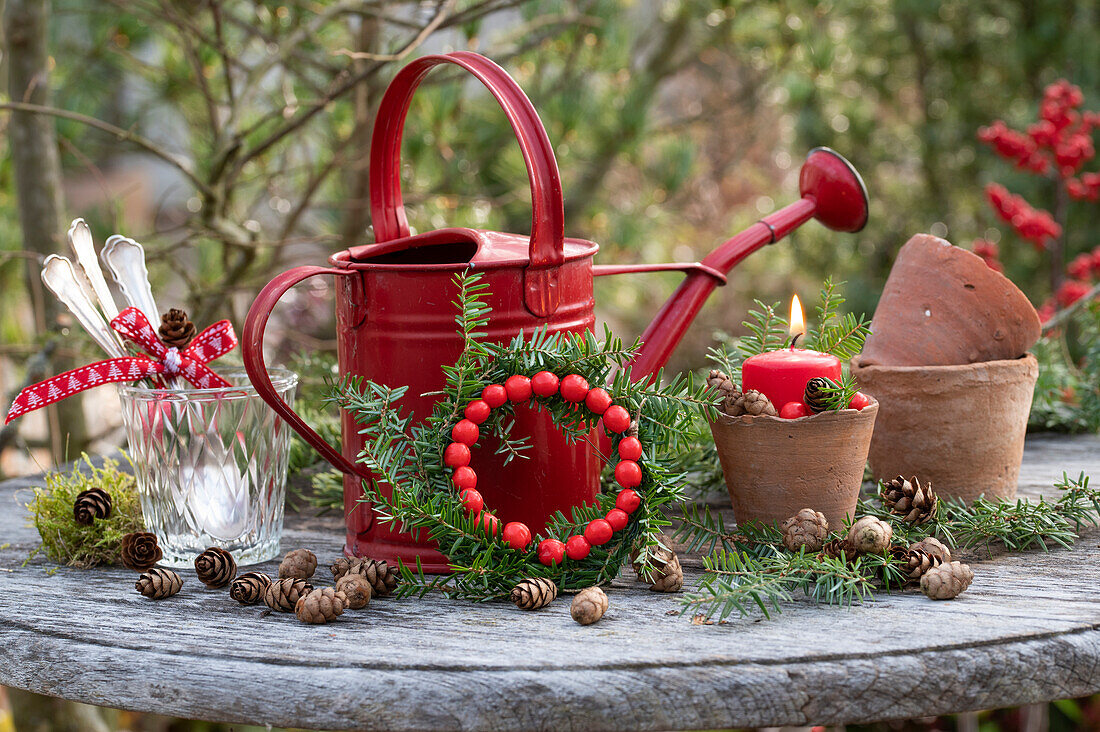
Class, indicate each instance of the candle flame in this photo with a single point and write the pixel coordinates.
(798, 321)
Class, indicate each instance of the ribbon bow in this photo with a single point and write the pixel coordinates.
(131, 324)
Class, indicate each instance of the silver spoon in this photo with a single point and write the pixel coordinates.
(61, 278)
(125, 260)
(80, 239)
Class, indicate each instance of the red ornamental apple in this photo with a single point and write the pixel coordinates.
(574, 388)
(628, 474)
(489, 522)
(630, 448)
(464, 478)
(598, 532)
(544, 384)
(859, 401)
(471, 500)
(793, 410)
(518, 388)
(516, 535)
(551, 551)
(616, 419)
(617, 518)
(465, 431)
(456, 455)
(628, 501)
(597, 401)
(494, 395)
(577, 547)
(477, 411)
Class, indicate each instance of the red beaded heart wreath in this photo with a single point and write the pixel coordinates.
(573, 388)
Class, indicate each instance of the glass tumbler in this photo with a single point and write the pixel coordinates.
(211, 466)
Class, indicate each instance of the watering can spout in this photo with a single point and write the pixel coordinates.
(832, 192)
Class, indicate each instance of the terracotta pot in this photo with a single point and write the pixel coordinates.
(776, 467)
(961, 427)
(942, 305)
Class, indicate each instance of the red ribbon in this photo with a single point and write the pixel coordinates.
(131, 323)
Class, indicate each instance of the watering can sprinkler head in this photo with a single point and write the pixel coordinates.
(837, 189)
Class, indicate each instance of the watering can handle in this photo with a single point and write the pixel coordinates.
(548, 210)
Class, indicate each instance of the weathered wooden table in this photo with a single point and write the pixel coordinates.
(1027, 630)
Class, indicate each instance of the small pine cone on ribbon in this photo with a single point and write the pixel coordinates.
(299, 564)
(816, 397)
(924, 555)
(751, 402)
(140, 551)
(320, 606)
(870, 535)
(90, 505)
(282, 595)
(946, 581)
(249, 588)
(356, 589)
(914, 503)
(382, 577)
(665, 573)
(215, 567)
(341, 566)
(176, 329)
(589, 605)
(807, 528)
(157, 583)
(724, 384)
(534, 593)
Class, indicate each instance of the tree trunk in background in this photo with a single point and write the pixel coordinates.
(37, 170)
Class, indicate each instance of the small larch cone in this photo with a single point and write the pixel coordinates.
(157, 583)
(341, 566)
(946, 581)
(531, 594)
(664, 574)
(908, 499)
(176, 329)
(215, 567)
(924, 555)
(807, 528)
(320, 606)
(751, 402)
(382, 577)
(725, 386)
(356, 589)
(283, 595)
(90, 505)
(249, 588)
(589, 605)
(816, 397)
(836, 548)
(140, 551)
(299, 564)
(870, 535)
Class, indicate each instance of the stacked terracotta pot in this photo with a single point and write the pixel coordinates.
(948, 362)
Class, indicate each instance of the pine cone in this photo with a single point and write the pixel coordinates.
(249, 588)
(870, 535)
(300, 564)
(807, 528)
(665, 573)
(908, 499)
(531, 594)
(340, 567)
(837, 547)
(751, 402)
(215, 567)
(725, 386)
(157, 583)
(589, 605)
(320, 606)
(382, 577)
(816, 397)
(924, 555)
(92, 504)
(140, 551)
(356, 589)
(946, 581)
(283, 595)
(176, 329)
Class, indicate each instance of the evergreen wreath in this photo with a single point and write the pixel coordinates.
(412, 457)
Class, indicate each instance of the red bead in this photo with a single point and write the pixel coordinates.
(518, 388)
(597, 401)
(598, 532)
(494, 395)
(516, 535)
(628, 474)
(551, 551)
(617, 518)
(859, 401)
(464, 477)
(793, 410)
(628, 501)
(466, 432)
(477, 411)
(472, 500)
(574, 388)
(489, 522)
(630, 448)
(456, 454)
(544, 384)
(577, 547)
(616, 419)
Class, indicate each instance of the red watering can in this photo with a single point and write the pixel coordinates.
(395, 320)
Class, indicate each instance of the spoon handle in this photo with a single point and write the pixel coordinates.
(80, 239)
(125, 260)
(60, 277)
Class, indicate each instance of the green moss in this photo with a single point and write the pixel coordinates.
(63, 539)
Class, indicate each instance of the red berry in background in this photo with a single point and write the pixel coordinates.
(574, 388)
(628, 474)
(518, 388)
(859, 401)
(466, 432)
(793, 410)
(489, 522)
(617, 518)
(630, 448)
(472, 500)
(516, 535)
(544, 384)
(551, 551)
(456, 454)
(628, 501)
(597, 401)
(464, 478)
(616, 419)
(577, 547)
(598, 532)
(494, 395)
(477, 411)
